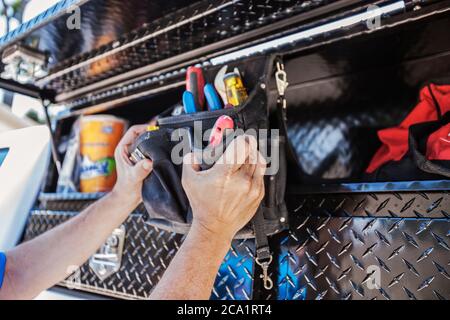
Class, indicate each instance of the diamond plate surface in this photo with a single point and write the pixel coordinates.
(339, 258)
(235, 276)
(147, 254)
(333, 242)
(74, 202)
(201, 24)
(334, 146)
(400, 204)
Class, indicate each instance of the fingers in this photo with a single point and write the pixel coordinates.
(124, 155)
(121, 153)
(250, 165)
(191, 164)
(241, 156)
(256, 189)
(234, 156)
(132, 133)
(260, 168)
(153, 122)
(142, 169)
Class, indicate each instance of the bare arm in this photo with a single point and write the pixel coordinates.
(192, 272)
(41, 263)
(223, 200)
(44, 261)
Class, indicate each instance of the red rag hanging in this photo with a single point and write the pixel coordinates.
(395, 140)
(438, 144)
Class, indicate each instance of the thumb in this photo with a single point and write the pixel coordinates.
(191, 163)
(142, 169)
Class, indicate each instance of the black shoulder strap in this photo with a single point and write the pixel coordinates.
(263, 254)
(282, 84)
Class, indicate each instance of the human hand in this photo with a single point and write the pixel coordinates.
(224, 198)
(130, 177)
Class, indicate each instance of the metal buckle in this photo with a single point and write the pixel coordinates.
(108, 259)
(281, 78)
(268, 283)
(282, 84)
(136, 156)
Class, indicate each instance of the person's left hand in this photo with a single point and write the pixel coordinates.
(130, 177)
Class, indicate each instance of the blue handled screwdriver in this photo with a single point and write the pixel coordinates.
(212, 98)
(189, 102)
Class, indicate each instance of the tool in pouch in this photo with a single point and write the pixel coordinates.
(263, 255)
(172, 214)
(221, 136)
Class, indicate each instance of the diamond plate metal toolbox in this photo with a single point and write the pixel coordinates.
(339, 246)
(364, 258)
(146, 255)
(145, 42)
(364, 246)
(201, 24)
(348, 241)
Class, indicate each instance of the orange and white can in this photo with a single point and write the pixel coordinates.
(99, 137)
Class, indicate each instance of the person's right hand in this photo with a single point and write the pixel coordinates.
(224, 198)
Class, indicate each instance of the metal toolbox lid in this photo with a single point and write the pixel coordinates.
(119, 45)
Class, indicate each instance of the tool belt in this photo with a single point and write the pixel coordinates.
(163, 195)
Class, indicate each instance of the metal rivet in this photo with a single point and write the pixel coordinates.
(283, 220)
(263, 86)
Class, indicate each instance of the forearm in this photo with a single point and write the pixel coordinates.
(192, 272)
(44, 261)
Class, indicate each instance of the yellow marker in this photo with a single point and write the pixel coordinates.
(236, 92)
(152, 128)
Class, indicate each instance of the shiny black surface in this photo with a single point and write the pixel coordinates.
(363, 259)
(107, 25)
(340, 95)
(147, 254)
(102, 21)
(334, 243)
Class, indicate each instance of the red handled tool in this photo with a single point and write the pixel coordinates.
(195, 82)
(221, 125)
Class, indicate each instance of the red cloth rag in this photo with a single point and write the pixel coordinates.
(438, 144)
(395, 140)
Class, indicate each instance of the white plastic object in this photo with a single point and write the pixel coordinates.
(21, 175)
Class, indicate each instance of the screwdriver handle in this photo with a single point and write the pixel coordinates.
(195, 82)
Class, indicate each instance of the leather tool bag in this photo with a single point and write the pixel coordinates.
(164, 198)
